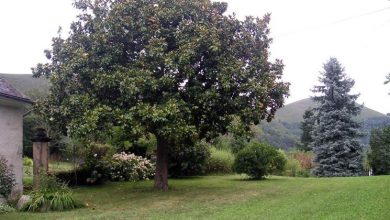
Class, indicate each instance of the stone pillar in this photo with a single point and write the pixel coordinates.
(40, 155)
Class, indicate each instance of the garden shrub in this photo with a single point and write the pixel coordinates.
(7, 178)
(124, 167)
(27, 162)
(74, 177)
(188, 159)
(220, 162)
(305, 159)
(51, 196)
(293, 167)
(278, 161)
(258, 160)
(299, 164)
(95, 162)
(4, 208)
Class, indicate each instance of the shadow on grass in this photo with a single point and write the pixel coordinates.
(245, 178)
(186, 177)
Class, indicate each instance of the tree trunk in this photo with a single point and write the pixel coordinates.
(161, 177)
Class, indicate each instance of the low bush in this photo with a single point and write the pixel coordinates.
(4, 208)
(293, 168)
(51, 196)
(220, 162)
(74, 177)
(7, 178)
(125, 167)
(278, 161)
(305, 159)
(258, 160)
(188, 159)
(299, 164)
(95, 162)
(27, 162)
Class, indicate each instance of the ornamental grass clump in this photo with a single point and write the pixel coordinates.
(126, 167)
(51, 196)
(220, 162)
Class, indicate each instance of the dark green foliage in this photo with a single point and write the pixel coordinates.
(278, 162)
(188, 159)
(51, 196)
(336, 136)
(7, 178)
(258, 160)
(171, 68)
(123, 142)
(30, 123)
(379, 155)
(95, 161)
(74, 177)
(307, 126)
(221, 161)
(372, 123)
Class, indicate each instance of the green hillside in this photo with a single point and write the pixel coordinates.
(284, 131)
(292, 113)
(32, 87)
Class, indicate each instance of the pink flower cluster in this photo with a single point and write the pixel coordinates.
(125, 167)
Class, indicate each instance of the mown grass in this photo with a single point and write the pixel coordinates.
(233, 197)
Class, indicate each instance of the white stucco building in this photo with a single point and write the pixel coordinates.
(12, 108)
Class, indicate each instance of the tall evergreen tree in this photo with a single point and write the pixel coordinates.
(379, 156)
(336, 143)
(307, 126)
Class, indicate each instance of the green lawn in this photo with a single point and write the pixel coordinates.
(233, 197)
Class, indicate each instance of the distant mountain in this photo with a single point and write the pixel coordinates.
(25, 83)
(284, 131)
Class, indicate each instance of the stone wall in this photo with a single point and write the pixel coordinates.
(11, 142)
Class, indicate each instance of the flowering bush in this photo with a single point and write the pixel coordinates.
(124, 167)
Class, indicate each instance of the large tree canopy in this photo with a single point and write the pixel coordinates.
(178, 69)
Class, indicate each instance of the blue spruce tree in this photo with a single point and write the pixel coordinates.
(336, 135)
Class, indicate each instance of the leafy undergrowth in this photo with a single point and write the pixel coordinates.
(233, 197)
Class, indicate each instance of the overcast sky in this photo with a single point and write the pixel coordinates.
(306, 34)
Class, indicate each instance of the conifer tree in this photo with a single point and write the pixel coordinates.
(307, 126)
(336, 143)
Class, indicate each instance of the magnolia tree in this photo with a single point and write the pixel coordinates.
(181, 70)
